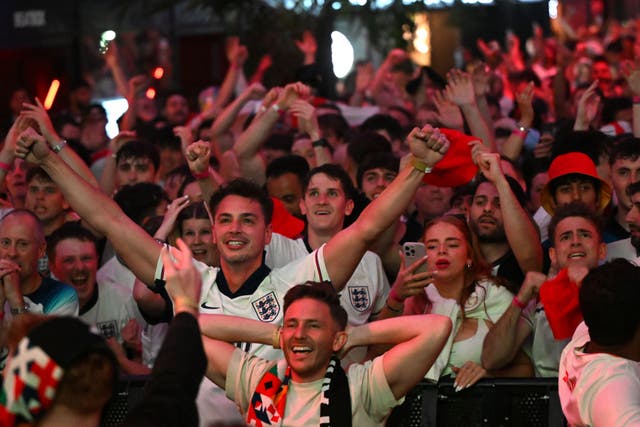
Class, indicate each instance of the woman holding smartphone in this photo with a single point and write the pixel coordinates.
(457, 283)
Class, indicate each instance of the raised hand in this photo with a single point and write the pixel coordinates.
(185, 134)
(198, 155)
(587, 107)
(631, 73)
(120, 139)
(306, 114)
(525, 104)
(449, 114)
(254, 91)
(428, 144)
(460, 89)
(237, 54)
(292, 92)
(136, 85)
(183, 280)
(307, 46)
(489, 165)
(32, 147)
(37, 113)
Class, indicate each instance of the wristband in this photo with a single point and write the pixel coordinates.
(201, 175)
(5, 166)
(420, 165)
(516, 301)
(391, 309)
(275, 107)
(320, 143)
(20, 310)
(636, 99)
(519, 132)
(187, 302)
(275, 338)
(59, 146)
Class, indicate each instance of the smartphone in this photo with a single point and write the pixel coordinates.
(414, 251)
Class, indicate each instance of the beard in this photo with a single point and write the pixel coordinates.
(493, 235)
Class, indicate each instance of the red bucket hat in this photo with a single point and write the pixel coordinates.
(573, 163)
(456, 167)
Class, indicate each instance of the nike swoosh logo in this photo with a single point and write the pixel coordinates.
(204, 305)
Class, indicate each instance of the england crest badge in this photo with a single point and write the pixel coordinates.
(359, 297)
(267, 308)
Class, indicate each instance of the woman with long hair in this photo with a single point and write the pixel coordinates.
(457, 283)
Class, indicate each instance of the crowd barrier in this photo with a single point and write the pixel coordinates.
(503, 402)
(500, 402)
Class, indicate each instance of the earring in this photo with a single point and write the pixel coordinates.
(469, 264)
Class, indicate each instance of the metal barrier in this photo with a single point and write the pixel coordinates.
(521, 402)
(128, 394)
(500, 402)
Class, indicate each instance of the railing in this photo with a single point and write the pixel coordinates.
(517, 402)
(521, 402)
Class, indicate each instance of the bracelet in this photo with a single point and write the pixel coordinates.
(20, 310)
(275, 107)
(201, 175)
(275, 338)
(420, 165)
(519, 132)
(187, 302)
(320, 143)
(516, 301)
(59, 146)
(5, 166)
(391, 309)
(636, 99)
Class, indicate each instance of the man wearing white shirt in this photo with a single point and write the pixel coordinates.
(599, 377)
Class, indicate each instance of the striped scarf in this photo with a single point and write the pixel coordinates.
(269, 399)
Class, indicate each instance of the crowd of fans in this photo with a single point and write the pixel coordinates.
(520, 174)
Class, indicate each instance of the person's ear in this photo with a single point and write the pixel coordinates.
(552, 255)
(339, 341)
(602, 251)
(267, 234)
(349, 207)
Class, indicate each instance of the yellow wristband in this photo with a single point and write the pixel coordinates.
(275, 338)
(420, 165)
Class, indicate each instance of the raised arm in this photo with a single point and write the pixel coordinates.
(249, 142)
(198, 156)
(587, 108)
(225, 119)
(513, 147)
(416, 343)
(343, 252)
(631, 72)
(519, 228)
(460, 91)
(505, 338)
(39, 114)
(139, 251)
